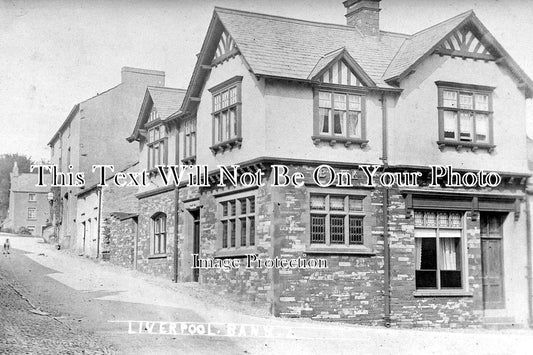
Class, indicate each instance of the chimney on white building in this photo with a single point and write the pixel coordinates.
(143, 76)
(363, 14)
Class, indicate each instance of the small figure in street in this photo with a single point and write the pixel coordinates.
(6, 247)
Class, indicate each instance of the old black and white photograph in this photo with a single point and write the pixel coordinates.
(266, 177)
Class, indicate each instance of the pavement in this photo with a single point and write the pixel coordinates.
(55, 302)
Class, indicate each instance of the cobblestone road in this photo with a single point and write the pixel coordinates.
(24, 331)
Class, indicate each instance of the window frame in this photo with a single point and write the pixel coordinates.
(162, 141)
(216, 126)
(30, 199)
(32, 214)
(366, 214)
(439, 290)
(224, 221)
(331, 137)
(189, 132)
(158, 219)
(467, 89)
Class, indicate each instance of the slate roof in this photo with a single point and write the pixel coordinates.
(26, 183)
(166, 100)
(285, 47)
(420, 43)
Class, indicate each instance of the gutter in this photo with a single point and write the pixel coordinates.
(99, 222)
(386, 247)
(176, 223)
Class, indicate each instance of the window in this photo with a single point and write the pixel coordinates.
(438, 248)
(68, 157)
(32, 215)
(491, 225)
(157, 154)
(189, 146)
(32, 197)
(336, 219)
(226, 115)
(238, 222)
(465, 115)
(154, 115)
(159, 240)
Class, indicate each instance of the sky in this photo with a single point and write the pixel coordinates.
(56, 53)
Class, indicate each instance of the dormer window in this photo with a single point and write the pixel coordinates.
(157, 147)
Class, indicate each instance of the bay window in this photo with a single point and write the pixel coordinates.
(339, 117)
(465, 115)
(226, 114)
(156, 147)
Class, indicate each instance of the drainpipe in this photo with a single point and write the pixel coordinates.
(386, 248)
(176, 224)
(529, 261)
(99, 222)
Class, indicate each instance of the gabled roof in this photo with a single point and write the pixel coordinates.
(26, 182)
(286, 48)
(167, 102)
(330, 58)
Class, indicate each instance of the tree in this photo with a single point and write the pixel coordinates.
(6, 166)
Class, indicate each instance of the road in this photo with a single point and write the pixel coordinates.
(54, 302)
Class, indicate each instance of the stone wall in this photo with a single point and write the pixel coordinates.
(121, 236)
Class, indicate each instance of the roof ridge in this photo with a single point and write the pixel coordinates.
(289, 19)
(164, 88)
(469, 12)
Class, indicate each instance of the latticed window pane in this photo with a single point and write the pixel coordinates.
(354, 103)
(232, 232)
(318, 229)
(318, 202)
(455, 220)
(419, 218)
(443, 219)
(449, 98)
(356, 204)
(466, 101)
(217, 102)
(482, 127)
(323, 116)
(231, 208)
(243, 232)
(431, 219)
(225, 234)
(225, 99)
(243, 206)
(251, 202)
(356, 230)
(252, 230)
(225, 208)
(354, 127)
(337, 229)
(232, 96)
(232, 123)
(336, 203)
(466, 126)
(482, 102)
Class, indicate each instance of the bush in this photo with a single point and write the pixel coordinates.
(24, 231)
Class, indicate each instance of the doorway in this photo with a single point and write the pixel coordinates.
(195, 240)
(491, 225)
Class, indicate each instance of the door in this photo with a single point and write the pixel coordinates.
(492, 260)
(84, 227)
(196, 240)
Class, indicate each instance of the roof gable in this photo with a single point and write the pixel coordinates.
(165, 101)
(464, 43)
(339, 67)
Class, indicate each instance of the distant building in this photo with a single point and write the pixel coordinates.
(28, 204)
(92, 134)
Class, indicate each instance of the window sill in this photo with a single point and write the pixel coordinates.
(189, 160)
(467, 145)
(340, 140)
(157, 256)
(340, 250)
(239, 252)
(442, 293)
(227, 145)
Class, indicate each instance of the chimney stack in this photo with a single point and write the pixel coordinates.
(363, 14)
(15, 169)
(143, 76)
